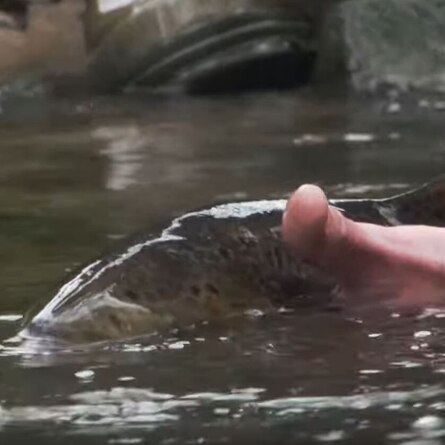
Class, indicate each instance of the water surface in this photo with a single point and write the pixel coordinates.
(77, 175)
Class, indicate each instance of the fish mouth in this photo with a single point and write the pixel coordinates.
(239, 51)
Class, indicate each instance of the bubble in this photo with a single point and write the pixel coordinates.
(221, 411)
(370, 371)
(429, 422)
(331, 436)
(310, 139)
(126, 378)
(422, 334)
(178, 345)
(358, 137)
(394, 107)
(85, 374)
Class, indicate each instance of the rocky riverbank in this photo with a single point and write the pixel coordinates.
(221, 45)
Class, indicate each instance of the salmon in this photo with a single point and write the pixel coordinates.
(208, 265)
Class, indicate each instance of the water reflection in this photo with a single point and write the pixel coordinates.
(123, 151)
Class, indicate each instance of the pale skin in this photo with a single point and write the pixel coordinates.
(403, 264)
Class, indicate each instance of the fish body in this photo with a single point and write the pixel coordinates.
(205, 266)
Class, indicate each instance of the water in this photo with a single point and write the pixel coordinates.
(77, 175)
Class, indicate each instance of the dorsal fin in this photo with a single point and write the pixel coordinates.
(423, 205)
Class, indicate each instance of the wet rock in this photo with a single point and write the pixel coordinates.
(196, 45)
(378, 43)
(41, 39)
(219, 46)
(202, 46)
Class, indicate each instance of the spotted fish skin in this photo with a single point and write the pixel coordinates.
(205, 266)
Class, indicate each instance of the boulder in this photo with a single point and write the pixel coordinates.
(201, 45)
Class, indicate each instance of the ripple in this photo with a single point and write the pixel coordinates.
(360, 402)
(120, 408)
